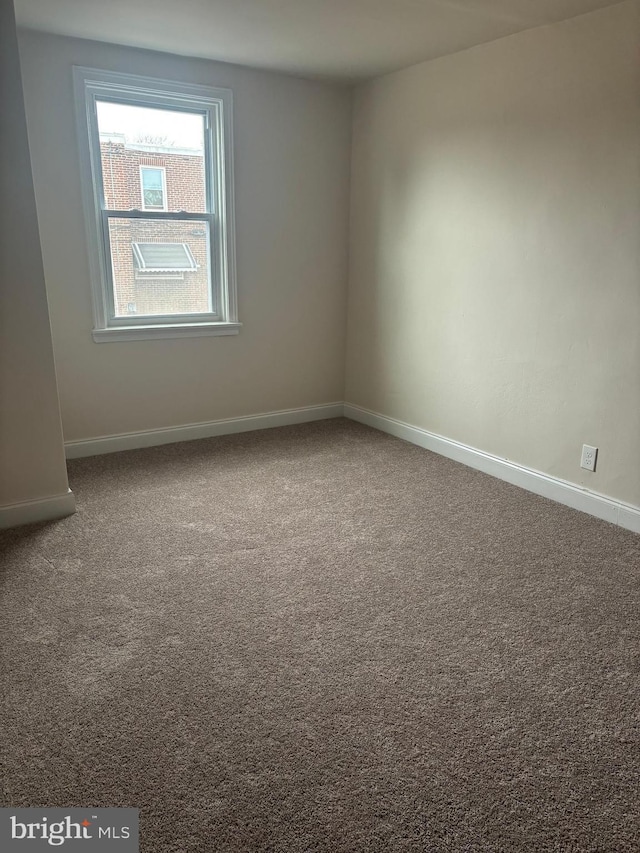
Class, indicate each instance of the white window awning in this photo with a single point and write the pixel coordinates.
(163, 257)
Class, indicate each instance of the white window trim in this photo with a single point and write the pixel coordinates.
(217, 105)
(163, 174)
(184, 330)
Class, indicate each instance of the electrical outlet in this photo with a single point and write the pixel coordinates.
(589, 457)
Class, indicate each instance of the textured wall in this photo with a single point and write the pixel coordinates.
(495, 266)
(292, 199)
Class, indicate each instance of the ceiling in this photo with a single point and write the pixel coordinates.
(336, 39)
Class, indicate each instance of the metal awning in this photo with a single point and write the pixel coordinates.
(163, 257)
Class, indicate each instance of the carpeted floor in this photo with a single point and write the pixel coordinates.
(320, 638)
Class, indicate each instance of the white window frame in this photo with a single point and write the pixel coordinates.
(163, 179)
(216, 106)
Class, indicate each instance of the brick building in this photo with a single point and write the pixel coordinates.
(159, 267)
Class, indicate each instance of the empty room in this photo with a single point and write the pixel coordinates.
(320, 426)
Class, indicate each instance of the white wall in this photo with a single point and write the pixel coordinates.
(495, 265)
(292, 198)
(32, 465)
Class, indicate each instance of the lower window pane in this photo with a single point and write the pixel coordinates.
(160, 267)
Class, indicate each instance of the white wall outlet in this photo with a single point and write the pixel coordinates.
(589, 457)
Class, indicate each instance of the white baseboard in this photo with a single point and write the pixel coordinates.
(563, 492)
(151, 438)
(569, 494)
(44, 509)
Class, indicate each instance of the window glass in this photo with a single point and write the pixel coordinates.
(160, 266)
(150, 152)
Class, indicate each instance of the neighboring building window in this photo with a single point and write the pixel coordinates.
(153, 184)
(163, 263)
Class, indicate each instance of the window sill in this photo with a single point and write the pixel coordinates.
(143, 333)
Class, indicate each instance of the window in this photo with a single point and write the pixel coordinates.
(153, 184)
(157, 175)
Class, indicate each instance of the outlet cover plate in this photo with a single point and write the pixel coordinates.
(589, 457)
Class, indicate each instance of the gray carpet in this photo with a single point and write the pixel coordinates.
(321, 638)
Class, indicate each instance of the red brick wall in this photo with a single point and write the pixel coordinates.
(140, 293)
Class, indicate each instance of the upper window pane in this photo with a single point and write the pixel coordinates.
(152, 158)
